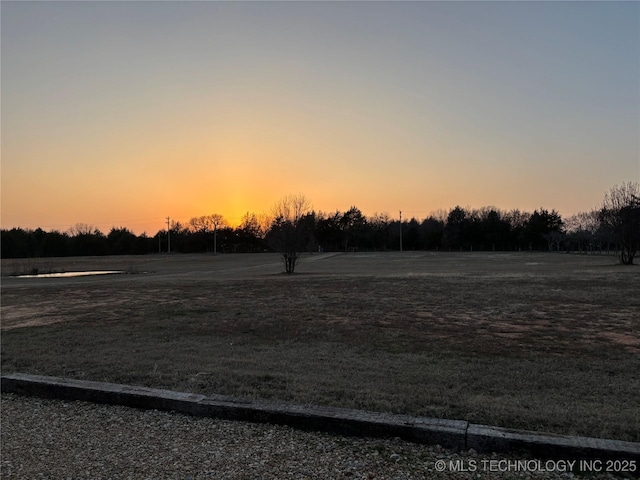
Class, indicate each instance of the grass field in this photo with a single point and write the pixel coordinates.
(538, 341)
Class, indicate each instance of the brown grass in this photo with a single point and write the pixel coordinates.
(538, 341)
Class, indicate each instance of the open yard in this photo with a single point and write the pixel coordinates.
(537, 341)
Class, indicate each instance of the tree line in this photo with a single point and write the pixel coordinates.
(293, 227)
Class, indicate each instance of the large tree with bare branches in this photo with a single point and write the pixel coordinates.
(290, 229)
(206, 225)
(620, 213)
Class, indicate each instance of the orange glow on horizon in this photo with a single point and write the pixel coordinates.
(410, 106)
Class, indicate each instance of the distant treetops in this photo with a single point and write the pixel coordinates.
(293, 227)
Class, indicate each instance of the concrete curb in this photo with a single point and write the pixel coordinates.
(454, 434)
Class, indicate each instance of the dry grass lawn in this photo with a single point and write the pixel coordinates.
(524, 340)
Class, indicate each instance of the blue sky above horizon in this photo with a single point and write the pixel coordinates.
(123, 113)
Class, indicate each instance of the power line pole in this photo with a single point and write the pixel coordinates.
(215, 239)
(168, 237)
(401, 230)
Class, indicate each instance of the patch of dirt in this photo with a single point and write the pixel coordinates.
(24, 316)
(628, 341)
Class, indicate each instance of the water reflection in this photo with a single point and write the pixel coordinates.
(71, 274)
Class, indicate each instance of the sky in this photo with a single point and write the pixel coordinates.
(123, 113)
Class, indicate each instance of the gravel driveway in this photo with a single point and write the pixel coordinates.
(44, 438)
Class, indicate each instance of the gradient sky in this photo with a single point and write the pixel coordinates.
(124, 113)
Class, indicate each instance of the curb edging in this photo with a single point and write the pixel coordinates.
(454, 434)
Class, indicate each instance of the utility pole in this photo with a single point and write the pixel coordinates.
(168, 237)
(400, 230)
(215, 238)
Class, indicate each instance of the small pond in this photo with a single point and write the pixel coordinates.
(70, 274)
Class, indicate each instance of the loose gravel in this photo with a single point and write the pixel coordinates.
(42, 438)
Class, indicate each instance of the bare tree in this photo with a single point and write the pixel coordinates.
(583, 230)
(198, 224)
(620, 213)
(252, 225)
(82, 229)
(290, 229)
(207, 224)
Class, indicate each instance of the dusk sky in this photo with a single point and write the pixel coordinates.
(124, 113)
